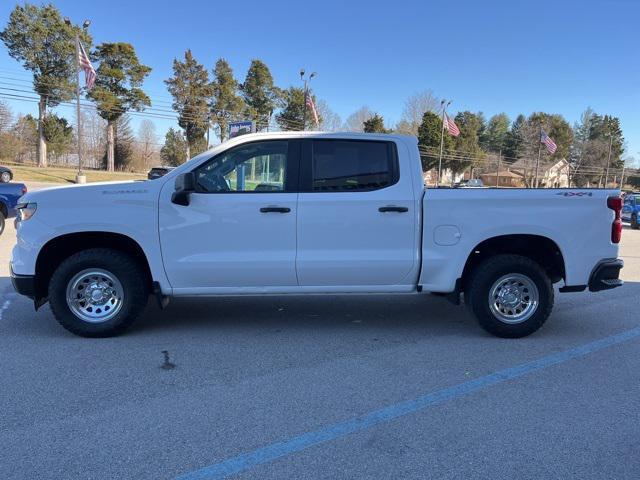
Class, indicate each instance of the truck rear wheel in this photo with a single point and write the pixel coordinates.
(510, 295)
(98, 292)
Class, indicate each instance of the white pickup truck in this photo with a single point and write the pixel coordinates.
(310, 213)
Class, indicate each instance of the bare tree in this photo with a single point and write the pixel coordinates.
(414, 109)
(94, 138)
(147, 144)
(6, 117)
(355, 121)
(331, 121)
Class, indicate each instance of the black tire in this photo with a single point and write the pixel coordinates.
(634, 222)
(480, 284)
(2, 221)
(127, 271)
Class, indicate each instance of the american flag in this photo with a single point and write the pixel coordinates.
(85, 65)
(451, 126)
(314, 112)
(550, 144)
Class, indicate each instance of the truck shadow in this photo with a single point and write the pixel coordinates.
(310, 312)
(325, 316)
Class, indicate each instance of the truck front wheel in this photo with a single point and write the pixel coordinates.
(98, 292)
(510, 295)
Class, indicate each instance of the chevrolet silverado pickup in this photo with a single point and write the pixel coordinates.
(310, 213)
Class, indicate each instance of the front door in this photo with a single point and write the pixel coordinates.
(357, 224)
(239, 231)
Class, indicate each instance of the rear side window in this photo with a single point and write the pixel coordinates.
(352, 165)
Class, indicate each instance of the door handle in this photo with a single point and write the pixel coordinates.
(275, 209)
(393, 208)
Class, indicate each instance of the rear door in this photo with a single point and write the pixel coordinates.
(356, 218)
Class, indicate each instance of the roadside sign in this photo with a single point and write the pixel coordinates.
(241, 128)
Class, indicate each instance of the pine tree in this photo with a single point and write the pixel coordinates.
(191, 93)
(40, 39)
(429, 135)
(226, 100)
(467, 144)
(374, 124)
(292, 115)
(175, 146)
(495, 136)
(58, 134)
(260, 93)
(514, 142)
(117, 89)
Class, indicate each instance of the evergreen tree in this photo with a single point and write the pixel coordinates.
(175, 146)
(556, 127)
(429, 135)
(605, 127)
(515, 139)
(39, 38)
(260, 93)
(225, 97)
(495, 136)
(191, 93)
(467, 144)
(117, 89)
(292, 115)
(375, 124)
(58, 134)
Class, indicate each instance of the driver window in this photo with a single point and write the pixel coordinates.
(254, 167)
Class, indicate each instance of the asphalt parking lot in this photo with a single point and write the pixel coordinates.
(324, 388)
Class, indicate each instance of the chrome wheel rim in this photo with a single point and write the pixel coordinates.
(513, 298)
(95, 295)
(6, 177)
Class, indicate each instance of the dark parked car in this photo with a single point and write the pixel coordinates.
(9, 195)
(157, 172)
(6, 175)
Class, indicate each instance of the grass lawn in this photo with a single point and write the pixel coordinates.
(67, 175)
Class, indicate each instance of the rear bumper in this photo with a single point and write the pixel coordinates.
(606, 275)
(24, 284)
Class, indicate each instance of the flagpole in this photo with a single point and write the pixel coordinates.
(539, 153)
(80, 178)
(444, 107)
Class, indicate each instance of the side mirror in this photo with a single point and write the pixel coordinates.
(185, 185)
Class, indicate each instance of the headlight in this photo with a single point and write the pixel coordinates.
(26, 210)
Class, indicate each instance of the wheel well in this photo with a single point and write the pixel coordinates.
(541, 250)
(57, 250)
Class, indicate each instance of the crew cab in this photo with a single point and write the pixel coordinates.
(310, 213)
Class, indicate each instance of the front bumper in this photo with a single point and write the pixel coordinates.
(606, 275)
(24, 284)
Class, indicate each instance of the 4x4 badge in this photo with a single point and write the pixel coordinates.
(575, 194)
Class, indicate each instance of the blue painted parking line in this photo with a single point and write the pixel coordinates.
(277, 450)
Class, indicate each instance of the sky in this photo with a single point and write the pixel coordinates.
(515, 56)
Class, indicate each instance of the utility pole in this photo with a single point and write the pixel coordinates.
(539, 153)
(306, 95)
(444, 104)
(606, 178)
(498, 169)
(80, 177)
